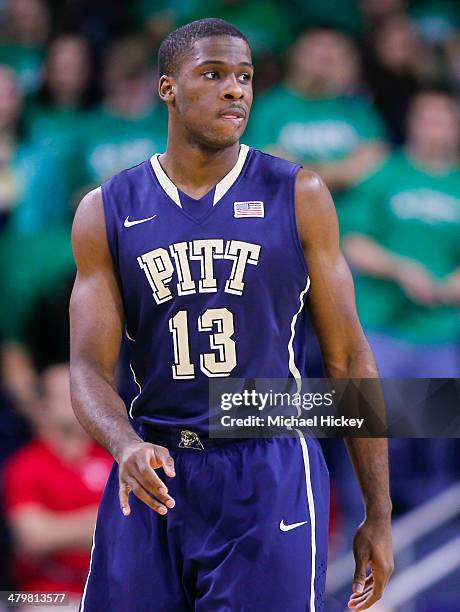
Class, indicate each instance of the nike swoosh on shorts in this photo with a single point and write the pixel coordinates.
(284, 527)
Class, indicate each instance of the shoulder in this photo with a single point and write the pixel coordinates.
(315, 211)
(271, 165)
(357, 103)
(311, 190)
(89, 210)
(126, 180)
(89, 237)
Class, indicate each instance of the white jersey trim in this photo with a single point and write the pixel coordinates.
(292, 366)
(138, 395)
(224, 185)
(221, 188)
(164, 180)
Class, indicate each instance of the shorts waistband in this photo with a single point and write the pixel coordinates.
(184, 439)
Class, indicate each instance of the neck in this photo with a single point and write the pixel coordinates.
(193, 167)
(432, 158)
(66, 99)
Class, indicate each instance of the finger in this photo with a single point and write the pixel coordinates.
(356, 598)
(151, 482)
(367, 583)
(366, 590)
(123, 496)
(165, 460)
(368, 602)
(370, 599)
(150, 501)
(359, 577)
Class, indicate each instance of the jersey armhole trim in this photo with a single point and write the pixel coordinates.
(294, 229)
(113, 253)
(108, 231)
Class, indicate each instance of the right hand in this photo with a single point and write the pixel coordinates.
(417, 283)
(136, 472)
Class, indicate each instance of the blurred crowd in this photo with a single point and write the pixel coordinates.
(365, 92)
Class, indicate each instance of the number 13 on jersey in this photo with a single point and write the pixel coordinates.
(217, 321)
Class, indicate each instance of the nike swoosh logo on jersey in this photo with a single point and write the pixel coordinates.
(284, 527)
(129, 223)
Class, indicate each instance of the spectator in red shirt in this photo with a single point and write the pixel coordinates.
(52, 488)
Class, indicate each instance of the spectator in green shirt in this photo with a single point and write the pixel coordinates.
(311, 118)
(33, 193)
(57, 120)
(404, 240)
(131, 124)
(25, 32)
(35, 253)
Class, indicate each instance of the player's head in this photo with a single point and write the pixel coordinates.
(433, 124)
(206, 81)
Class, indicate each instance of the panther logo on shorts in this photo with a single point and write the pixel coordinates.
(190, 439)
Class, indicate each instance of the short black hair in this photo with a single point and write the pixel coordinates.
(180, 41)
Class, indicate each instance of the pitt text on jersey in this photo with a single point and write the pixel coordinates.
(159, 268)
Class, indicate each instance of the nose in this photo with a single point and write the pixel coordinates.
(233, 89)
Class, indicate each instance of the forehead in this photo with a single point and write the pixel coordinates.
(227, 49)
(325, 40)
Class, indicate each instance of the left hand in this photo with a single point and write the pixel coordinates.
(372, 545)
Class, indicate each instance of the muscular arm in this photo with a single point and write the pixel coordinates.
(346, 354)
(96, 319)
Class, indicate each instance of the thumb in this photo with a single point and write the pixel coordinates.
(167, 462)
(123, 495)
(359, 577)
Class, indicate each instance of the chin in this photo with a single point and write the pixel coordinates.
(222, 139)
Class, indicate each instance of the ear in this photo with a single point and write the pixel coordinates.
(167, 88)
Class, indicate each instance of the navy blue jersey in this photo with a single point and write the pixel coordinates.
(212, 287)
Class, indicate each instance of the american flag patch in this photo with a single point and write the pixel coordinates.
(248, 209)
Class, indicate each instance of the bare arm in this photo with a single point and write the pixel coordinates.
(96, 319)
(20, 377)
(38, 531)
(366, 255)
(343, 173)
(346, 354)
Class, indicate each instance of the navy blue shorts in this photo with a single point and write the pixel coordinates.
(248, 533)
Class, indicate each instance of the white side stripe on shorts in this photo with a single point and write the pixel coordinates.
(82, 606)
(311, 511)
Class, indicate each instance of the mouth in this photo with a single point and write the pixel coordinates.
(234, 113)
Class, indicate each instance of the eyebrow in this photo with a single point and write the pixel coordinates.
(222, 63)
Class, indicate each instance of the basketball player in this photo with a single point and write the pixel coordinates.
(203, 256)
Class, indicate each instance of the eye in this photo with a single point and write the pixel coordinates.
(245, 76)
(211, 74)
